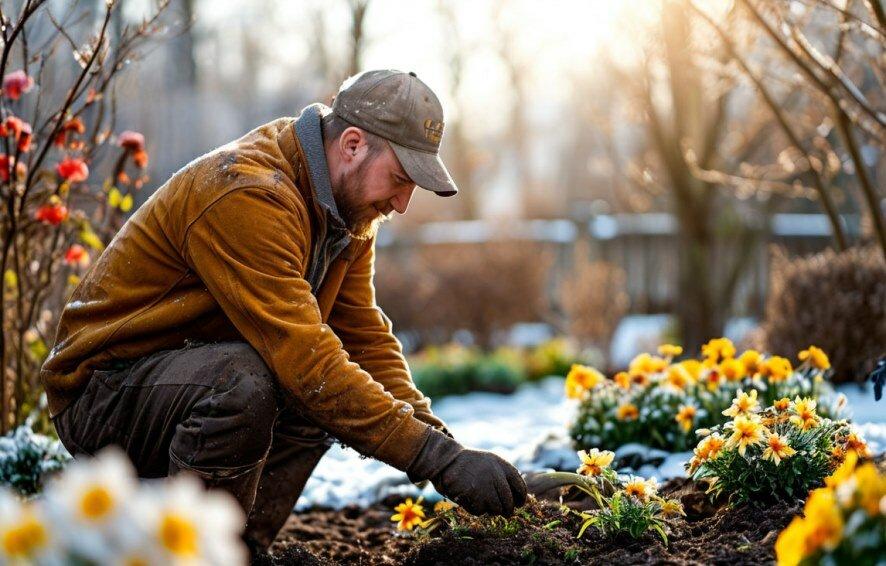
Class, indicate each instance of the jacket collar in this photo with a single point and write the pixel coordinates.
(308, 130)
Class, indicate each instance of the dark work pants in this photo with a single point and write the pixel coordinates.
(214, 410)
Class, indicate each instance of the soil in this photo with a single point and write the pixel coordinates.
(710, 534)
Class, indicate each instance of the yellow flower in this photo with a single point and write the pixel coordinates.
(713, 378)
(686, 417)
(751, 360)
(693, 367)
(782, 405)
(580, 379)
(777, 447)
(842, 473)
(593, 462)
(640, 488)
(790, 547)
(627, 412)
(710, 447)
(745, 432)
(408, 514)
(732, 369)
(178, 535)
(856, 444)
(646, 364)
(870, 485)
(640, 379)
(825, 521)
(718, 349)
(804, 416)
(670, 350)
(816, 357)
(443, 506)
(776, 369)
(743, 404)
(678, 378)
(622, 379)
(672, 507)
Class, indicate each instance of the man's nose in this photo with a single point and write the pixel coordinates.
(400, 202)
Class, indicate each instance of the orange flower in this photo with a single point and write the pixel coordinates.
(678, 377)
(733, 370)
(782, 405)
(686, 417)
(640, 488)
(743, 404)
(709, 447)
(751, 360)
(20, 130)
(622, 379)
(804, 416)
(627, 412)
(73, 170)
(815, 357)
(718, 349)
(580, 379)
(746, 432)
(776, 369)
(777, 447)
(857, 444)
(71, 126)
(134, 143)
(17, 83)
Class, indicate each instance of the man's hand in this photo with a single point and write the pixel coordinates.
(481, 482)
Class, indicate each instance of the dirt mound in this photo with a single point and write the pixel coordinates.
(537, 534)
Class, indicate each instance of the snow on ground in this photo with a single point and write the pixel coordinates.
(528, 428)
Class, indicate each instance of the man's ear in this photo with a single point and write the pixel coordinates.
(350, 142)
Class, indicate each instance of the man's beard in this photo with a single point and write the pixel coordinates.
(362, 221)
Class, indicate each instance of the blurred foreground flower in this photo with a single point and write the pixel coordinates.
(17, 83)
(96, 512)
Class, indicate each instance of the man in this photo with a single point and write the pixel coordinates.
(230, 328)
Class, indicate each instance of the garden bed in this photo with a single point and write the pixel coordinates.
(709, 535)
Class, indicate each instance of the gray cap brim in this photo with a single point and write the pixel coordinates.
(426, 170)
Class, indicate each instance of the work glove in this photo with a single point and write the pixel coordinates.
(480, 482)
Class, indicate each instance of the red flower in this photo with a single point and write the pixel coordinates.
(17, 83)
(20, 168)
(24, 140)
(140, 158)
(20, 130)
(77, 254)
(53, 213)
(72, 169)
(74, 125)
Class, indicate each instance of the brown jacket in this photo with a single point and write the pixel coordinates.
(219, 252)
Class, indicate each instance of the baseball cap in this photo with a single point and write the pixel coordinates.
(403, 110)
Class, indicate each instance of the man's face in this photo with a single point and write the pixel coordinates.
(370, 187)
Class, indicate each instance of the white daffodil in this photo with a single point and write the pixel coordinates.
(26, 536)
(186, 524)
(89, 502)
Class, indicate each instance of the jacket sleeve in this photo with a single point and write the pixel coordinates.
(249, 248)
(369, 339)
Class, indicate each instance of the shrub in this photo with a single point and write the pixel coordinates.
(660, 402)
(27, 458)
(456, 370)
(780, 453)
(552, 357)
(96, 512)
(835, 300)
(843, 523)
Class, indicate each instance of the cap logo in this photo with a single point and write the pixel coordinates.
(433, 130)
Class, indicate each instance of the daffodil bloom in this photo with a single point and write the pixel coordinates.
(686, 417)
(718, 349)
(751, 360)
(580, 379)
(408, 514)
(23, 539)
(815, 357)
(622, 379)
(641, 488)
(843, 472)
(804, 416)
(672, 508)
(870, 487)
(777, 447)
(782, 405)
(670, 350)
(732, 369)
(825, 521)
(776, 369)
(790, 547)
(627, 412)
(593, 462)
(743, 404)
(693, 367)
(746, 432)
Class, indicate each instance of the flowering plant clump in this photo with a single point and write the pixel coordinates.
(96, 512)
(780, 452)
(842, 523)
(660, 401)
(623, 504)
(26, 458)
